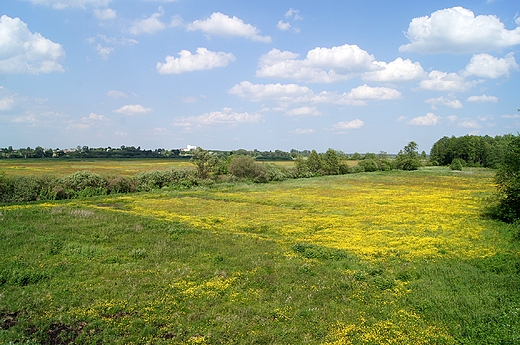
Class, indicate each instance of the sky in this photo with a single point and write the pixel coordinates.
(355, 76)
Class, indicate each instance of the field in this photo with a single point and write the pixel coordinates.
(371, 258)
(63, 167)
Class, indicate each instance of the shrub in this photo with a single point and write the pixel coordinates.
(507, 180)
(121, 184)
(25, 188)
(369, 165)
(457, 164)
(276, 173)
(83, 179)
(247, 167)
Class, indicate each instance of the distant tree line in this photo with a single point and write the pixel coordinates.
(88, 152)
(471, 150)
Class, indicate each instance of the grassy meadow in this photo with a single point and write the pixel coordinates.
(371, 258)
(63, 167)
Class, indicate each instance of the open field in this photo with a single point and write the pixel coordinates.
(63, 167)
(372, 258)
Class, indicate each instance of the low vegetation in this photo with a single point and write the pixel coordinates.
(382, 258)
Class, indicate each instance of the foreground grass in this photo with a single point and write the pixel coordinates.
(357, 259)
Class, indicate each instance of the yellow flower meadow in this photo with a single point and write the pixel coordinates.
(419, 216)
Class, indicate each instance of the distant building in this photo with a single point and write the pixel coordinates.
(189, 148)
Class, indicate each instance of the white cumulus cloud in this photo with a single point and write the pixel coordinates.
(302, 131)
(226, 117)
(483, 98)
(187, 62)
(294, 93)
(458, 30)
(395, 71)
(222, 25)
(105, 14)
(283, 26)
(345, 125)
(148, 25)
(442, 81)
(303, 111)
(22, 51)
(321, 65)
(447, 102)
(115, 94)
(429, 119)
(133, 109)
(487, 66)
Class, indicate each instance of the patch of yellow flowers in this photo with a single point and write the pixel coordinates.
(419, 217)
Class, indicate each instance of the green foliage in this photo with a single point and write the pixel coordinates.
(408, 159)
(508, 182)
(369, 165)
(247, 167)
(457, 164)
(205, 161)
(330, 163)
(475, 150)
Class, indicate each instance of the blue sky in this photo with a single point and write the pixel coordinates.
(356, 76)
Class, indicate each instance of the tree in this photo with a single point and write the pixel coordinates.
(409, 159)
(314, 162)
(204, 161)
(507, 180)
(330, 162)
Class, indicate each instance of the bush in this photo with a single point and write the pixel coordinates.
(507, 180)
(83, 179)
(276, 173)
(457, 164)
(25, 188)
(369, 165)
(157, 179)
(247, 167)
(121, 184)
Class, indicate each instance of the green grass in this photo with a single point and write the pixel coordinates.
(73, 273)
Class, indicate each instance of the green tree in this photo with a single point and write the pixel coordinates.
(330, 162)
(507, 180)
(314, 162)
(205, 161)
(409, 159)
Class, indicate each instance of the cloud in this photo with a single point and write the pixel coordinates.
(62, 4)
(447, 102)
(354, 124)
(7, 103)
(468, 123)
(91, 121)
(395, 71)
(442, 81)
(148, 25)
(283, 26)
(293, 93)
(226, 117)
(105, 14)
(115, 94)
(21, 51)
(104, 46)
(429, 119)
(321, 65)
(366, 92)
(272, 92)
(221, 25)
(302, 131)
(487, 66)
(133, 109)
(483, 98)
(40, 119)
(303, 111)
(187, 62)
(457, 30)
(293, 13)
